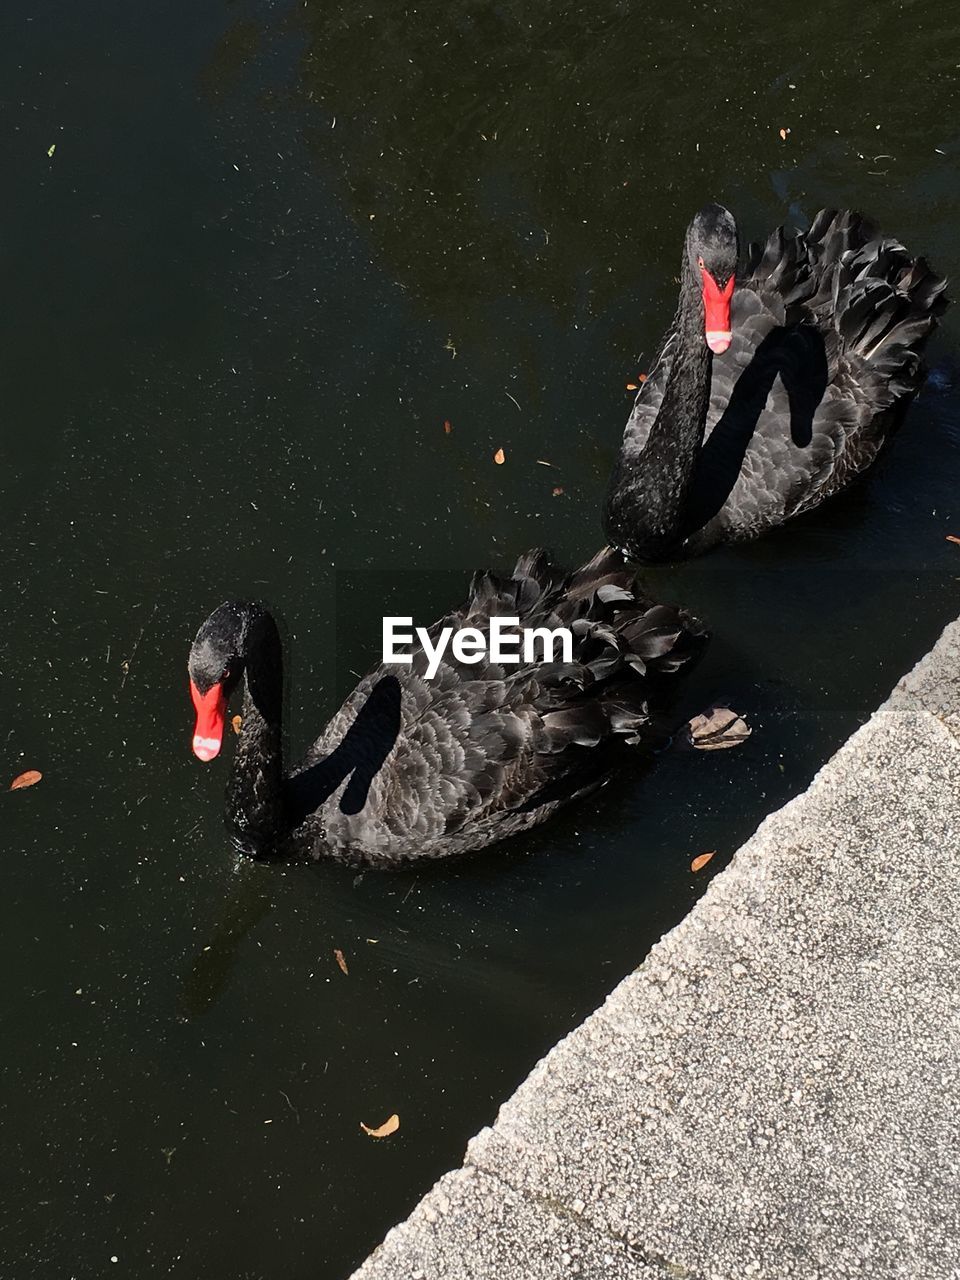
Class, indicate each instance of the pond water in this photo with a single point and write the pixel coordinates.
(276, 246)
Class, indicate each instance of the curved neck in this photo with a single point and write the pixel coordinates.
(650, 495)
(254, 807)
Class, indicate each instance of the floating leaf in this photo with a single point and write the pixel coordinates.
(717, 728)
(952, 538)
(237, 723)
(447, 426)
(701, 860)
(51, 150)
(783, 134)
(632, 386)
(28, 779)
(641, 377)
(557, 491)
(338, 956)
(385, 1130)
(499, 457)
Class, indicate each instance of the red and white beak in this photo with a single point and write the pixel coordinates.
(716, 310)
(211, 709)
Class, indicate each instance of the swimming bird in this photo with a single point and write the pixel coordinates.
(417, 768)
(774, 387)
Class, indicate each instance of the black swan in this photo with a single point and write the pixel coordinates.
(765, 400)
(417, 768)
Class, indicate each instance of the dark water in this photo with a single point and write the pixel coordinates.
(277, 245)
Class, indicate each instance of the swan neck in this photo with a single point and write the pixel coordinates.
(650, 498)
(255, 812)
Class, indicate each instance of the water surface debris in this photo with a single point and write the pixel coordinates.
(701, 860)
(499, 457)
(341, 961)
(383, 1131)
(717, 728)
(28, 779)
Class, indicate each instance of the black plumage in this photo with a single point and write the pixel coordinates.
(826, 333)
(416, 768)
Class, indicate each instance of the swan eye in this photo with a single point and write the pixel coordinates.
(701, 264)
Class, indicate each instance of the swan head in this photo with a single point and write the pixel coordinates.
(214, 667)
(712, 249)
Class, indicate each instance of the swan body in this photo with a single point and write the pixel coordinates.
(825, 332)
(415, 768)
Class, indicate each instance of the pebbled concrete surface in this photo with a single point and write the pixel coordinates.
(775, 1092)
(472, 1226)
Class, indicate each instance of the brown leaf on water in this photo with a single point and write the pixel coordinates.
(783, 134)
(717, 728)
(558, 491)
(641, 377)
(338, 956)
(953, 538)
(384, 1130)
(701, 860)
(447, 426)
(28, 779)
(499, 457)
(237, 723)
(632, 386)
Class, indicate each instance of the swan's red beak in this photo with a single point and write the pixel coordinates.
(716, 308)
(211, 708)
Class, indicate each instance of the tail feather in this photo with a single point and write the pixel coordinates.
(622, 641)
(925, 289)
(535, 564)
(622, 644)
(880, 302)
(583, 725)
(835, 234)
(605, 570)
(780, 268)
(490, 595)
